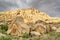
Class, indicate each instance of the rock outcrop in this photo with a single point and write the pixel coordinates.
(29, 20)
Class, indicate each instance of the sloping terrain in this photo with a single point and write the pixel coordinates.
(29, 21)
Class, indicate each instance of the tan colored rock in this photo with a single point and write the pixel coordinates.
(29, 15)
(58, 29)
(18, 27)
(24, 19)
(35, 33)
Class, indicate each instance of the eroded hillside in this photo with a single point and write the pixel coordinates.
(30, 21)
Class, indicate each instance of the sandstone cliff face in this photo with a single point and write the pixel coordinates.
(29, 20)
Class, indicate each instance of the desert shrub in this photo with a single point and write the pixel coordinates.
(7, 37)
(25, 35)
(3, 28)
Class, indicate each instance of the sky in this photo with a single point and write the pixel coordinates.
(51, 7)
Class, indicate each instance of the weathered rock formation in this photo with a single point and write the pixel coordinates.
(29, 20)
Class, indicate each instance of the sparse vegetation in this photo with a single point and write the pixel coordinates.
(51, 36)
(6, 37)
(48, 36)
(25, 35)
(3, 28)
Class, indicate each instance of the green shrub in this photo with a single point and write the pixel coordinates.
(7, 37)
(4, 27)
(25, 35)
